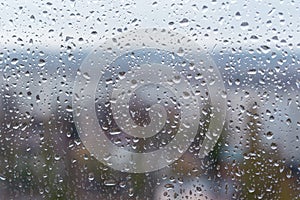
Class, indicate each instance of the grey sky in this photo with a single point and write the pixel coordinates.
(214, 24)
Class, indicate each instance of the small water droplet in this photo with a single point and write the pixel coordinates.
(110, 182)
(244, 25)
(2, 178)
(274, 146)
(269, 135)
(169, 186)
(238, 15)
(91, 176)
(184, 22)
(42, 63)
(14, 61)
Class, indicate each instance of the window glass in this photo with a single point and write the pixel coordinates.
(149, 99)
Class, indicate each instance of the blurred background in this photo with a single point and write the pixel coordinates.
(255, 45)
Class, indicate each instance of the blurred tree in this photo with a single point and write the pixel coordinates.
(261, 170)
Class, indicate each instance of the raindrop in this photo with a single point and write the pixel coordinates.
(184, 22)
(269, 135)
(169, 186)
(110, 182)
(2, 178)
(41, 63)
(244, 25)
(14, 61)
(274, 146)
(238, 15)
(91, 176)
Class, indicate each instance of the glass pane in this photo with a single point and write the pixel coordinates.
(149, 100)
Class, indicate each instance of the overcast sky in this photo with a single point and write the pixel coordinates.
(214, 24)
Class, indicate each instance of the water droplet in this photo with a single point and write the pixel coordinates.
(269, 135)
(274, 146)
(91, 176)
(42, 63)
(110, 182)
(238, 15)
(169, 186)
(2, 178)
(244, 25)
(14, 61)
(184, 22)
(265, 49)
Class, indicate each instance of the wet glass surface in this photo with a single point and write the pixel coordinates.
(149, 100)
